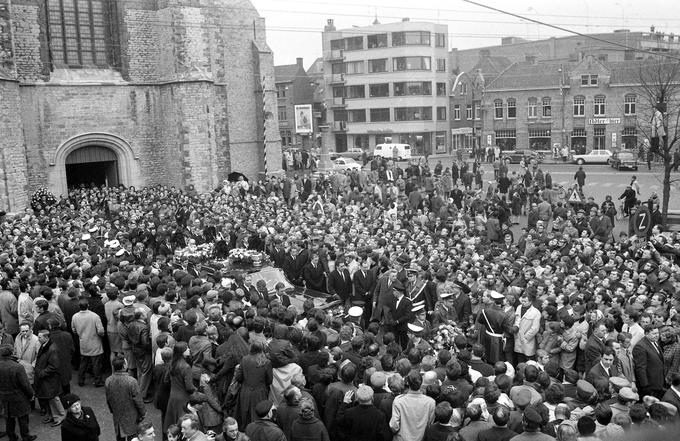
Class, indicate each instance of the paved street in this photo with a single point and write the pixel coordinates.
(96, 399)
(601, 180)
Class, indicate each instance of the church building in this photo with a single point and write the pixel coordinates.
(133, 92)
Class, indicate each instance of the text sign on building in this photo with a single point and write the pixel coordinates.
(604, 120)
(303, 118)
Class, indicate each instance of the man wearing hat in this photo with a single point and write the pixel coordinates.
(354, 319)
(624, 399)
(494, 323)
(264, 429)
(444, 311)
(416, 341)
(584, 394)
(421, 320)
(416, 287)
(16, 394)
(532, 423)
(400, 313)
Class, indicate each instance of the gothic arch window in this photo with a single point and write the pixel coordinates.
(79, 32)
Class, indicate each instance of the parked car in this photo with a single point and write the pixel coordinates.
(594, 157)
(354, 153)
(516, 156)
(343, 163)
(621, 160)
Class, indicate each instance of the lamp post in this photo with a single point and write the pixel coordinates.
(476, 82)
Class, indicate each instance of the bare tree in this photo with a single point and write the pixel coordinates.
(659, 89)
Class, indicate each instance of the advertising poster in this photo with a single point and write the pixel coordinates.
(303, 119)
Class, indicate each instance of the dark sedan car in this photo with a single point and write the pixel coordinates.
(624, 160)
(516, 156)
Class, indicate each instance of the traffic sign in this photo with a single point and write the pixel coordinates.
(575, 197)
(642, 221)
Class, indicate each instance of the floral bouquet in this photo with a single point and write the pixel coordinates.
(443, 337)
(241, 255)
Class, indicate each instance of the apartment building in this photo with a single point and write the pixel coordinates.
(386, 83)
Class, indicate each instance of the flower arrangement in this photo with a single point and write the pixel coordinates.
(242, 255)
(444, 336)
(202, 252)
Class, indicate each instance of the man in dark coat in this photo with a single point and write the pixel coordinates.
(339, 281)
(314, 275)
(363, 422)
(649, 364)
(462, 305)
(139, 335)
(16, 394)
(364, 283)
(401, 314)
(264, 428)
(124, 400)
(494, 323)
(64, 343)
(48, 379)
(383, 295)
(595, 346)
(604, 369)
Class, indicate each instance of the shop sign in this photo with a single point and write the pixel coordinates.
(604, 121)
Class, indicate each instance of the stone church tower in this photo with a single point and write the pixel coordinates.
(133, 92)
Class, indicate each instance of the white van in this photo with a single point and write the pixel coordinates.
(387, 151)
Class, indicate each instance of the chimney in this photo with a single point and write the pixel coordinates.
(330, 27)
(298, 61)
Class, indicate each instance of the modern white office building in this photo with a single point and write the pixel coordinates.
(387, 83)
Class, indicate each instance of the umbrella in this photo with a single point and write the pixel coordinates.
(233, 176)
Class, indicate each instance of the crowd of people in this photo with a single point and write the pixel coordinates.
(442, 320)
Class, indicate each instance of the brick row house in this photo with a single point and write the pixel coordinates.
(586, 105)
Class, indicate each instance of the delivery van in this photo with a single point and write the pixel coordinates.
(403, 151)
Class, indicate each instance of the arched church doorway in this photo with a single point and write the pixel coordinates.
(92, 165)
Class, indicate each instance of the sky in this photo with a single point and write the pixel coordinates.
(294, 26)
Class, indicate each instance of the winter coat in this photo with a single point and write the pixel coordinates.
(528, 324)
(125, 403)
(47, 377)
(363, 423)
(15, 389)
(264, 430)
(89, 328)
(26, 352)
(181, 387)
(85, 428)
(9, 312)
(211, 412)
(255, 377)
(64, 343)
(308, 428)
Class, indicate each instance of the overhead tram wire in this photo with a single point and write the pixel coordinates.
(563, 29)
(458, 11)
